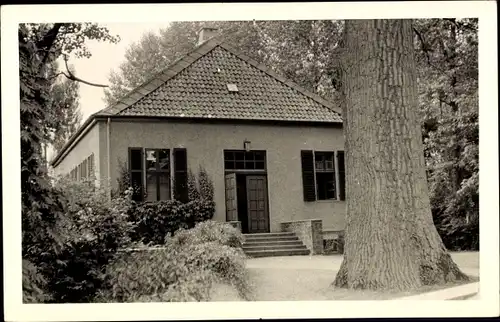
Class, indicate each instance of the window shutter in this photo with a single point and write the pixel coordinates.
(180, 175)
(341, 167)
(136, 167)
(309, 187)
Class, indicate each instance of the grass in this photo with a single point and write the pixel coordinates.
(294, 279)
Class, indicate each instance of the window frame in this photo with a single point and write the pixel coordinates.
(325, 170)
(157, 172)
(236, 160)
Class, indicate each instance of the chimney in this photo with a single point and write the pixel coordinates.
(205, 34)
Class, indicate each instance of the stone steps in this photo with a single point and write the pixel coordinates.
(273, 244)
(275, 252)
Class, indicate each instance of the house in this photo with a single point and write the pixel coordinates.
(273, 150)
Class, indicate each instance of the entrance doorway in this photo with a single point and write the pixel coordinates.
(246, 192)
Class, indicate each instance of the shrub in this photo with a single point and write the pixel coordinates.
(210, 231)
(93, 231)
(184, 270)
(34, 284)
(193, 190)
(206, 185)
(155, 220)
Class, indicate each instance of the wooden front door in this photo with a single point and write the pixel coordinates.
(231, 198)
(258, 218)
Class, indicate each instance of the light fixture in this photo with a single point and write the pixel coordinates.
(246, 145)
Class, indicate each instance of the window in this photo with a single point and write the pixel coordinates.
(243, 160)
(150, 174)
(341, 167)
(325, 175)
(90, 166)
(157, 174)
(319, 176)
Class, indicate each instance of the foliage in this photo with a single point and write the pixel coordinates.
(193, 190)
(43, 207)
(447, 52)
(156, 220)
(210, 231)
(123, 178)
(34, 284)
(183, 270)
(93, 231)
(206, 185)
(68, 37)
(64, 104)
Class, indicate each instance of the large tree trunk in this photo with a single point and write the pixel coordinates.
(391, 241)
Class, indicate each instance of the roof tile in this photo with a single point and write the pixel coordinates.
(197, 88)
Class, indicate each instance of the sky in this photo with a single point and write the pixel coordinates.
(105, 57)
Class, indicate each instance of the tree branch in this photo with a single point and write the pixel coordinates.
(48, 41)
(425, 49)
(72, 76)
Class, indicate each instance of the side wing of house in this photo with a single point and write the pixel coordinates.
(83, 160)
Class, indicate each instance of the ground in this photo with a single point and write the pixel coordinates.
(303, 278)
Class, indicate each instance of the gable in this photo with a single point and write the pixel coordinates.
(201, 91)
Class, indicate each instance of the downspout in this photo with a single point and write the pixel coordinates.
(108, 148)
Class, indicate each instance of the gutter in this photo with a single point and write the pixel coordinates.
(108, 152)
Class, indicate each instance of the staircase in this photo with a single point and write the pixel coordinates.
(273, 244)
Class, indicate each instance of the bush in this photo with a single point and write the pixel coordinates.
(210, 231)
(34, 284)
(184, 270)
(206, 185)
(155, 220)
(93, 230)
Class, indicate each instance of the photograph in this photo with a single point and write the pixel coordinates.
(307, 161)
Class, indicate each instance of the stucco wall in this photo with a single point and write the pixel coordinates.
(205, 144)
(88, 144)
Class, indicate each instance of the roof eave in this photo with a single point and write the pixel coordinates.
(75, 138)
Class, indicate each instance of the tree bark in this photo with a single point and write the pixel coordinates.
(390, 238)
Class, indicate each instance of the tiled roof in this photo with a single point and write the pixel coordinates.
(196, 87)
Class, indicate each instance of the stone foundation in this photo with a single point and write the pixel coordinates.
(310, 231)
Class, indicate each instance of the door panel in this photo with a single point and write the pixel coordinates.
(231, 198)
(258, 217)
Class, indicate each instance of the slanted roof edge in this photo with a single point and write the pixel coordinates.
(185, 60)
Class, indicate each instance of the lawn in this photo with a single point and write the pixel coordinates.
(303, 278)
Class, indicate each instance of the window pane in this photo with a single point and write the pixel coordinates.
(329, 165)
(250, 165)
(151, 187)
(164, 186)
(259, 155)
(151, 159)
(319, 164)
(259, 165)
(249, 156)
(240, 165)
(164, 160)
(135, 159)
(325, 183)
(239, 156)
(229, 165)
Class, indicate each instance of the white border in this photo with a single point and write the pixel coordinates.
(487, 305)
